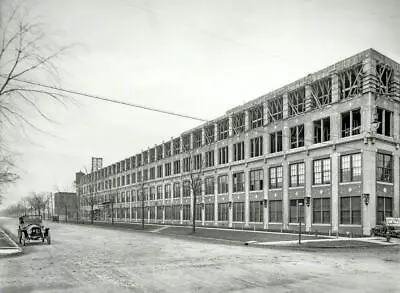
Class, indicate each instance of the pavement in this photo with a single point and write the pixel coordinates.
(8, 246)
(86, 258)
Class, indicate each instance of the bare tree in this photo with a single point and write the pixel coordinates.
(7, 175)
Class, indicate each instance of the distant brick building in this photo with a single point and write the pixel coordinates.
(66, 205)
(323, 151)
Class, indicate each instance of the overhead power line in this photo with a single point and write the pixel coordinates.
(110, 100)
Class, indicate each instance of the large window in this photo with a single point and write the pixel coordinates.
(223, 155)
(186, 142)
(223, 129)
(238, 123)
(256, 116)
(238, 182)
(159, 213)
(209, 133)
(238, 212)
(222, 184)
(256, 211)
(197, 162)
(177, 190)
(160, 171)
(350, 210)
(177, 145)
(276, 142)
(351, 123)
(296, 174)
(209, 158)
(186, 164)
(383, 209)
(177, 167)
(198, 212)
(159, 192)
(385, 118)
(223, 211)
(322, 130)
(275, 177)
(209, 185)
(238, 151)
(296, 210)
(297, 101)
(256, 147)
(275, 109)
(256, 179)
(197, 138)
(186, 188)
(384, 167)
(297, 136)
(275, 211)
(209, 211)
(167, 191)
(350, 82)
(167, 169)
(186, 212)
(168, 213)
(321, 210)
(322, 171)
(152, 193)
(176, 212)
(350, 168)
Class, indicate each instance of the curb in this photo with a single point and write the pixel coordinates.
(8, 251)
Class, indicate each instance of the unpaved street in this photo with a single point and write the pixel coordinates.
(94, 259)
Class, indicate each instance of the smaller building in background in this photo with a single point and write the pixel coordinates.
(66, 206)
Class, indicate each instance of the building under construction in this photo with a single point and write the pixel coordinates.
(322, 151)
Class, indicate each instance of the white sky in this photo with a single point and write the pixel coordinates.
(199, 58)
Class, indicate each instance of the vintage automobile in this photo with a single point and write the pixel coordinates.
(31, 229)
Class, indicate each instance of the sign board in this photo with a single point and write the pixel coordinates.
(395, 222)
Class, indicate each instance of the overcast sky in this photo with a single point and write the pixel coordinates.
(199, 58)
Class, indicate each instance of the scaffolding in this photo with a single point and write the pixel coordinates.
(351, 82)
(209, 133)
(159, 152)
(152, 155)
(238, 123)
(384, 75)
(275, 109)
(167, 149)
(256, 116)
(321, 93)
(145, 157)
(297, 101)
(186, 142)
(177, 145)
(197, 138)
(223, 129)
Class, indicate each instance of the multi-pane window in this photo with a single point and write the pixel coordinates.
(118, 181)
(350, 168)
(198, 212)
(384, 167)
(297, 101)
(276, 142)
(275, 177)
(177, 167)
(186, 188)
(152, 193)
(256, 211)
(168, 213)
(167, 167)
(385, 118)
(186, 212)
(383, 208)
(176, 212)
(238, 212)
(186, 142)
(297, 136)
(256, 115)
(322, 171)
(209, 160)
(159, 192)
(186, 164)
(209, 133)
(159, 213)
(256, 147)
(322, 130)
(351, 123)
(209, 185)
(296, 210)
(177, 145)
(197, 138)
(350, 210)
(123, 180)
(177, 190)
(238, 123)
(275, 109)
(167, 191)
(139, 161)
(275, 211)
(223, 184)
(160, 171)
(223, 129)
(139, 176)
(209, 211)
(321, 210)
(128, 179)
(133, 162)
(350, 82)
(296, 174)
(238, 182)
(223, 210)
(197, 162)
(223, 155)
(152, 173)
(197, 186)
(256, 179)
(238, 151)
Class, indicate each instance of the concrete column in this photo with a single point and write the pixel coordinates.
(396, 186)
(285, 138)
(230, 126)
(285, 106)
(155, 158)
(265, 189)
(308, 132)
(265, 113)
(369, 79)
(246, 121)
(335, 192)
(203, 136)
(308, 96)
(247, 197)
(215, 132)
(368, 212)
(308, 182)
(230, 191)
(285, 194)
(335, 87)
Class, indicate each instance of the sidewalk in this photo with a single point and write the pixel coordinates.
(7, 245)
